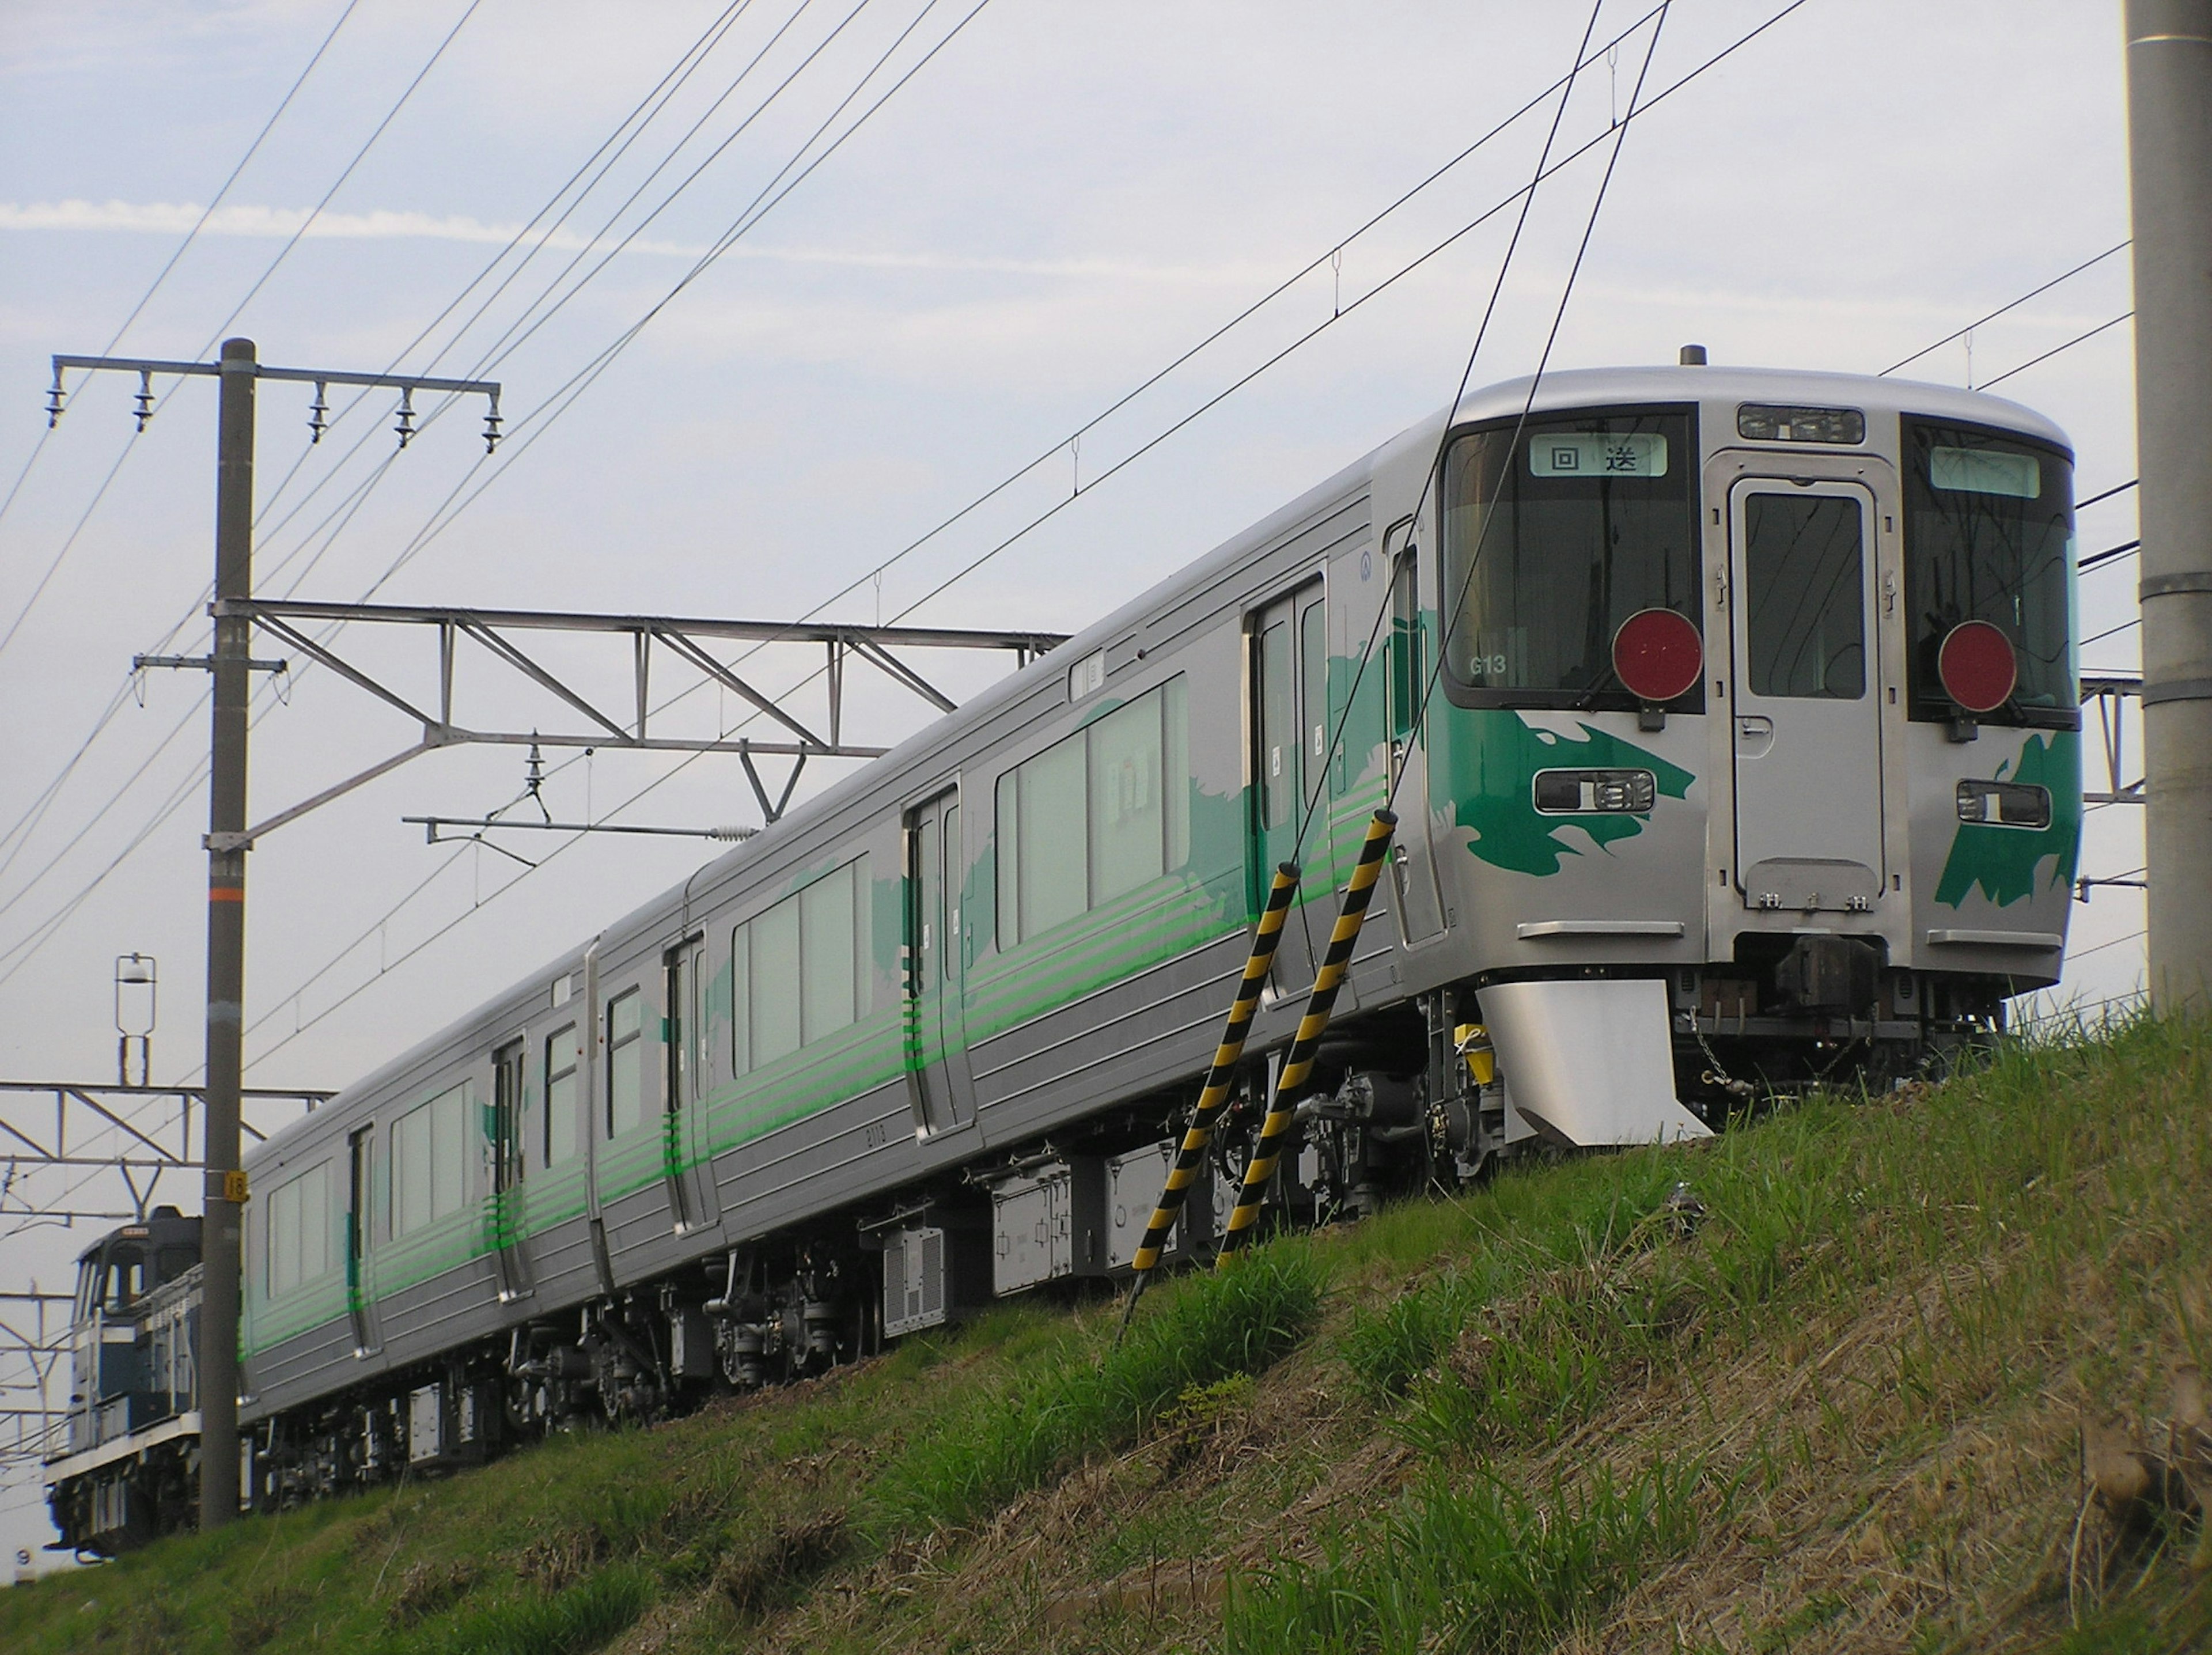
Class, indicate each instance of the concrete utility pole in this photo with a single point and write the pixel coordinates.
(2170, 177)
(228, 839)
(224, 1201)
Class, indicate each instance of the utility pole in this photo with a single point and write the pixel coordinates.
(223, 1203)
(240, 371)
(2169, 69)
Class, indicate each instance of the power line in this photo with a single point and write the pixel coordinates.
(216, 199)
(2083, 953)
(390, 115)
(259, 282)
(674, 771)
(1405, 197)
(190, 235)
(754, 212)
(689, 61)
(2015, 304)
(650, 107)
(1551, 338)
(2079, 338)
(762, 205)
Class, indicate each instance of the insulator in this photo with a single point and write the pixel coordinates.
(54, 399)
(406, 425)
(491, 423)
(316, 423)
(732, 833)
(144, 410)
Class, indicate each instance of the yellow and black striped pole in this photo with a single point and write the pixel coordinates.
(1297, 1064)
(1220, 1079)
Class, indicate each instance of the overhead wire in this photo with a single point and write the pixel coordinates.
(1316, 791)
(129, 443)
(632, 127)
(2034, 362)
(30, 945)
(1282, 287)
(1528, 403)
(2011, 305)
(564, 397)
(36, 811)
(663, 91)
(190, 235)
(633, 798)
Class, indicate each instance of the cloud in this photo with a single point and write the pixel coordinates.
(276, 223)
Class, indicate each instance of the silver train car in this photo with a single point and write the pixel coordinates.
(1730, 718)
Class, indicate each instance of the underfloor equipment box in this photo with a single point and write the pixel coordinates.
(1134, 1182)
(932, 1272)
(1049, 1221)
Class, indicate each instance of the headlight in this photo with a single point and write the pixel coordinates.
(1579, 793)
(2004, 804)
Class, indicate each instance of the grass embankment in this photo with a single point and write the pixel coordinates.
(1831, 1403)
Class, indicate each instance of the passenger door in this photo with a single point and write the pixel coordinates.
(936, 968)
(1291, 735)
(1413, 860)
(508, 1147)
(360, 1301)
(692, 1199)
(1807, 735)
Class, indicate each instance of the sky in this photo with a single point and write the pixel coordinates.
(1059, 201)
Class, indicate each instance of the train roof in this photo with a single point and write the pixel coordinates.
(1871, 394)
(1567, 388)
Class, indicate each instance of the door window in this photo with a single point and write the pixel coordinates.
(1313, 693)
(1803, 570)
(1278, 726)
(508, 1107)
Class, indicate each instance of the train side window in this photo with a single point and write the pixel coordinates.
(825, 956)
(561, 1064)
(1096, 815)
(1054, 860)
(429, 1161)
(1279, 735)
(297, 1236)
(1128, 806)
(802, 969)
(740, 1005)
(774, 981)
(626, 1064)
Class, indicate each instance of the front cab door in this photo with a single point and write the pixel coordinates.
(1806, 731)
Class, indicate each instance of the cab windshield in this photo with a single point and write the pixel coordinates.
(1553, 539)
(1989, 524)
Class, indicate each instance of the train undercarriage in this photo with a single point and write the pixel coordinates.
(1404, 1100)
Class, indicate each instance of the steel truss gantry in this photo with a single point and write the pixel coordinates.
(682, 641)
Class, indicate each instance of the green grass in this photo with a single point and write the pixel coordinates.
(1838, 1413)
(1475, 1564)
(1079, 1401)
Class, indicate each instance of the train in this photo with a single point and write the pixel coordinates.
(1729, 720)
